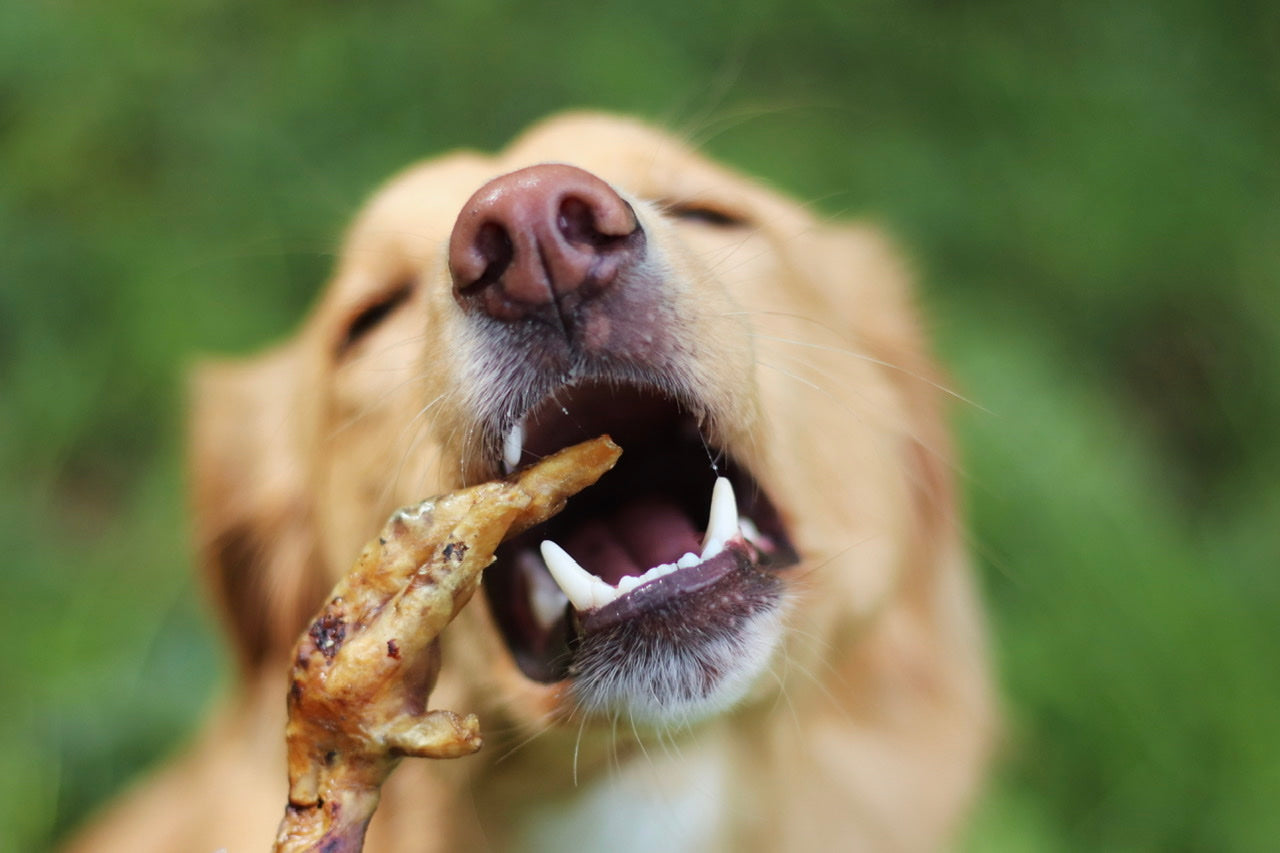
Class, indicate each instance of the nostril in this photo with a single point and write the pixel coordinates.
(576, 221)
(496, 251)
(596, 225)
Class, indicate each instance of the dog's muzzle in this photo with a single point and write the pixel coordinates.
(657, 591)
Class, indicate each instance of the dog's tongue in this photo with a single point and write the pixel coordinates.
(638, 537)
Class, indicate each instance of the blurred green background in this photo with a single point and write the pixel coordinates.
(1090, 191)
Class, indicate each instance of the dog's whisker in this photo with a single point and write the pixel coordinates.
(662, 733)
(546, 724)
(713, 456)
(635, 732)
(822, 656)
(732, 259)
(950, 392)
(895, 426)
(818, 388)
(783, 694)
(735, 119)
(615, 762)
(468, 435)
(853, 353)
(822, 652)
(418, 423)
(832, 391)
(711, 115)
(577, 747)
(822, 688)
(361, 359)
(373, 406)
(806, 572)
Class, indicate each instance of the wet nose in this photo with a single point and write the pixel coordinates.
(531, 240)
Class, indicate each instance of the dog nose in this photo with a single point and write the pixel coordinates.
(535, 239)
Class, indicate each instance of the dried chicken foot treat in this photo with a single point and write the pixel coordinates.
(364, 668)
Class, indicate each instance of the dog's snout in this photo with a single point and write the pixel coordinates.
(529, 240)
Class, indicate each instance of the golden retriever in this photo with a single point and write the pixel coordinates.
(813, 679)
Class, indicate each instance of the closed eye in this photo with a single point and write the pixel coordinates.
(367, 318)
(706, 214)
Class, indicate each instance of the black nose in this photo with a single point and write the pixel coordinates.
(530, 240)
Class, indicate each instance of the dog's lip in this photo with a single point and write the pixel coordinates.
(668, 465)
(662, 591)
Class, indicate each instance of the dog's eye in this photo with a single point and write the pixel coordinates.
(368, 317)
(706, 214)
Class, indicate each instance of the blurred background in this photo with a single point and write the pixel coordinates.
(1091, 194)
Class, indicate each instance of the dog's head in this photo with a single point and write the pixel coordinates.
(759, 367)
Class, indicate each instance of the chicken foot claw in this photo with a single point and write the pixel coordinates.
(436, 734)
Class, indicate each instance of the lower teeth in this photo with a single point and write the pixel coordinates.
(546, 600)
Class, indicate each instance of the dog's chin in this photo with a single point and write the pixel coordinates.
(657, 594)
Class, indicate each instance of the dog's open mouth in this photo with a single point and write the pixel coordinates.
(671, 557)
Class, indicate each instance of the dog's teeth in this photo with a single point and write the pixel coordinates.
(751, 532)
(657, 572)
(723, 522)
(588, 592)
(513, 446)
(585, 590)
(664, 569)
(546, 600)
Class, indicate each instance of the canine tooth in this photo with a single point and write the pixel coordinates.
(585, 590)
(546, 599)
(513, 445)
(689, 559)
(752, 533)
(723, 522)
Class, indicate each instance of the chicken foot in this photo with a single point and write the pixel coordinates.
(364, 668)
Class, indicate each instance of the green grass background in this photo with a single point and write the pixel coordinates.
(1090, 191)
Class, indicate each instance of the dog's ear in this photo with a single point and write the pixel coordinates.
(253, 522)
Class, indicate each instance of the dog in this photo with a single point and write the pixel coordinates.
(814, 678)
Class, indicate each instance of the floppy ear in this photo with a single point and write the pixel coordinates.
(253, 520)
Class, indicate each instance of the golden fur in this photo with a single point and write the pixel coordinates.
(872, 724)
